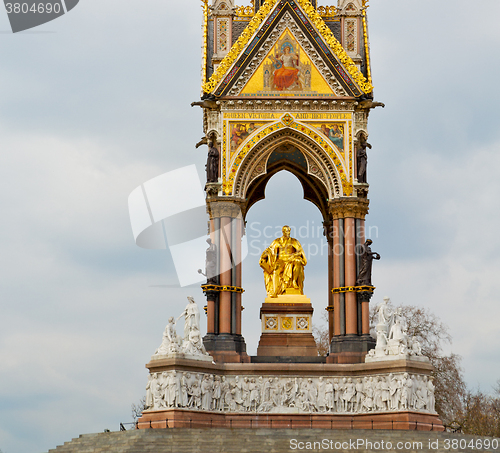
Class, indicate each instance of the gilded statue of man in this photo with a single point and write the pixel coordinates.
(283, 264)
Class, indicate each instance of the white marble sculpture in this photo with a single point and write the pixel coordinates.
(191, 316)
(170, 343)
(382, 393)
(392, 341)
(191, 345)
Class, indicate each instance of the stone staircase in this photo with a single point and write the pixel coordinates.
(179, 440)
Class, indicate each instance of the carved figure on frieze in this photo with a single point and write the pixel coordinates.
(172, 394)
(369, 394)
(226, 397)
(362, 157)
(283, 263)
(206, 393)
(216, 393)
(156, 390)
(254, 395)
(245, 388)
(195, 401)
(431, 402)
(366, 259)
(336, 396)
(406, 397)
(343, 395)
(322, 403)
(359, 395)
(394, 392)
(183, 396)
(149, 391)
(421, 394)
(349, 393)
(237, 393)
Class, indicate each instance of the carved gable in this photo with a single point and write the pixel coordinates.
(288, 69)
(287, 48)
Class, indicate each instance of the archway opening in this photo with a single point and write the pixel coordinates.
(281, 202)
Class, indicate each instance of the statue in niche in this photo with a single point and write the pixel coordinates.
(283, 263)
(170, 341)
(365, 268)
(362, 157)
(210, 264)
(212, 166)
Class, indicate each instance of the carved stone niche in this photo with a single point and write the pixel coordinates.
(349, 7)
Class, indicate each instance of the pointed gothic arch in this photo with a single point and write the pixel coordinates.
(320, 176)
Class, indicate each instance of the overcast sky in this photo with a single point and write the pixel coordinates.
(97, 102)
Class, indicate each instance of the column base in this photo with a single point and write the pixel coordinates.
(226, 348)
(350, 348)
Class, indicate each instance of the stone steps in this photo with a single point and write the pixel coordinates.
(258, 441)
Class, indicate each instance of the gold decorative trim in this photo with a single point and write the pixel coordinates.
(290, 122)
(271, 323)
(327, 11)
(205, 42)
(255, 23)
(367, 46)
(224, 151)
(302, 323)
(351, 152)
(244, 11)
(286, 323)
(218, 288)
(353, 289)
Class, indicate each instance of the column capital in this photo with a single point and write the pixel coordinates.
(225, 208)
(341, 208)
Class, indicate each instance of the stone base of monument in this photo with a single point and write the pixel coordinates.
(229, 348)
(182, 418)
(350, 348)
(287, 327)
(396, 394)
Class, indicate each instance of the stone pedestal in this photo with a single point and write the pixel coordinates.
(287, 327)
(196, 394)
(226, 348)
(350, 348)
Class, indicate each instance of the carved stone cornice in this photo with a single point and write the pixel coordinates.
(341, 208)
(346, 105)
(225, 207)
